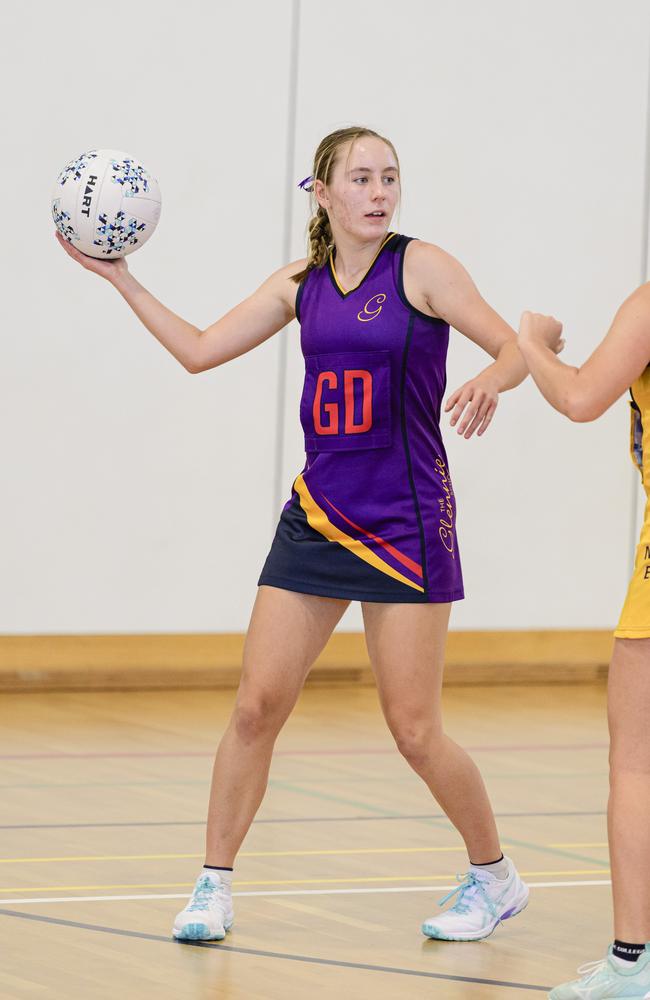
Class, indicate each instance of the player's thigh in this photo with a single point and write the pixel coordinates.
(629, 702)
(286, 633)
(406, 645)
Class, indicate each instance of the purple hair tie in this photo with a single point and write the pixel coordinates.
(304, 184)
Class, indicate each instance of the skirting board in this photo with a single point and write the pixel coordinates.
(154, 662)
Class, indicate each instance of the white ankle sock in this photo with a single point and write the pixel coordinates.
(500, 869)
(622, 963)
(219, 875)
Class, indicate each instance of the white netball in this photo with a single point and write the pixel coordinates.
(105, 203)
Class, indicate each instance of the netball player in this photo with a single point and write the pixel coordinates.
(584, 394)
(372, 515)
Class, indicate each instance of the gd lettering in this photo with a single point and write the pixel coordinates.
(326, 410)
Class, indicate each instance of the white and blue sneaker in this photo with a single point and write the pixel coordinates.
(609, 979)
(209, 915)
(484, 901)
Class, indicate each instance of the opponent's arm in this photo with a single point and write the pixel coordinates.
(246, 326)
(451, 294)
(584, 393)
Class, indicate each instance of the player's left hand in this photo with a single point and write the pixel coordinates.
(473, 405)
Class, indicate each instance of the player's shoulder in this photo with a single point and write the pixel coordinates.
(424, 254)
(633, 316)
(281, 283)
(640, 298)
(428, 260)
(287, 272)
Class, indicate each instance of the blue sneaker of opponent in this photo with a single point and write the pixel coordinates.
(608, 979)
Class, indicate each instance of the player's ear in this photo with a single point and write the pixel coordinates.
(320, 194)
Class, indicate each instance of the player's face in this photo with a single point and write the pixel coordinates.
(364, 189)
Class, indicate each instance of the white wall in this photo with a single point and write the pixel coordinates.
(139, 498)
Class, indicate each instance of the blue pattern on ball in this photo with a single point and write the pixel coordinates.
(118, 233)
(75, 168)
(63, 223)
(131, 175)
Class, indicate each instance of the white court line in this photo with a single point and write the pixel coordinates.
(285, 892)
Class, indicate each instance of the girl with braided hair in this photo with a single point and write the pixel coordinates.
(371, 516)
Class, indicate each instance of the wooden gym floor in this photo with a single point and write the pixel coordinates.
(103, 799)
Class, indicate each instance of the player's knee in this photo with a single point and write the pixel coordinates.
(257, 717)
(415, 741)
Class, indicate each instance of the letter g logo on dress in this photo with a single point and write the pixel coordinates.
(372, 308)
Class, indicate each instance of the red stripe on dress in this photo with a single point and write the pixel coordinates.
(404, 560)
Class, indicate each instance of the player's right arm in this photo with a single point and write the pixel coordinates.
(249, 324)
(585, 393)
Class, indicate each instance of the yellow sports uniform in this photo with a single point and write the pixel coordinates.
(635, 617)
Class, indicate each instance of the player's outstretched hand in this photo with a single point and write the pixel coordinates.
(473, 405)
(109, 269)
(537, 328)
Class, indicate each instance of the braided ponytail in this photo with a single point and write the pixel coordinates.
(319, 231)
(320, 239)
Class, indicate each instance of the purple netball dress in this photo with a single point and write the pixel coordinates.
(372, 515)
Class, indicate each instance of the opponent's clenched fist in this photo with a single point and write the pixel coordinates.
(535, 327)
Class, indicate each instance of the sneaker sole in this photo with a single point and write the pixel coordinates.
(635, 996)
(199, 932)
(436, 935)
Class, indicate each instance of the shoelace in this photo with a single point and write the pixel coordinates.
(469, 886)
(203, 893)
(591, 969)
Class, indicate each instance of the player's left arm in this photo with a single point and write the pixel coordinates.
(452, 295)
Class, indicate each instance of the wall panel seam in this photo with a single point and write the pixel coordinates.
(281, 386)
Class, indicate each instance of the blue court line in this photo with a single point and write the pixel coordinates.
(259, 953)
(283, 819)
(437, 822)
(297, 789)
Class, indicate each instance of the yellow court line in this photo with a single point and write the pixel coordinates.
(101, 857)
(244, 854)
(293, 881)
